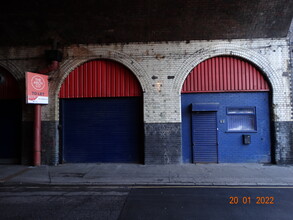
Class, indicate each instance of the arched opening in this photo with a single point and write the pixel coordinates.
(10, 117)
(101, 114)
(225, 113)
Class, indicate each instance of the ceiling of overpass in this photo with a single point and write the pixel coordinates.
(36, 22)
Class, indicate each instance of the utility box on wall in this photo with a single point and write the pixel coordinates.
(246, 139)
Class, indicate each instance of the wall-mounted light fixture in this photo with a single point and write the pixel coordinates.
(158, 86)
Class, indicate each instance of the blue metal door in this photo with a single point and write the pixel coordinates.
(102, 130)
(204, 137)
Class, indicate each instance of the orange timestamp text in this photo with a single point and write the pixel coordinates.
(246, 200)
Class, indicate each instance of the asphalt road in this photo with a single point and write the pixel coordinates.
(146, 202)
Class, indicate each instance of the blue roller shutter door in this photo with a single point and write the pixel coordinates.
(102, 130)
(204, 137)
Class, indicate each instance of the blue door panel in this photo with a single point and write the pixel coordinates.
(230, 146)
(102, 130)
(204, 137)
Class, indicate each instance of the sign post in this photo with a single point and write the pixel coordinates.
(36, 88)
(37, 93)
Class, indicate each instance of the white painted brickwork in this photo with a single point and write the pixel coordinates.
(162, 68)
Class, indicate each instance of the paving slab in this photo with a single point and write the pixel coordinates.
(33, 175)
(135, 174)
(8, 171)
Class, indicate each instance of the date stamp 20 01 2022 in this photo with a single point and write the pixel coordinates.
(246, 200)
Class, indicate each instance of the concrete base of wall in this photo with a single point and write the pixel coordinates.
(50, 143)
(27, 143)
(284, 142)
(163, 143)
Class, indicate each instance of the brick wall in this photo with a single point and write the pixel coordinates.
(161, 68)
(284, 129)
(230, 146)
(290, 72)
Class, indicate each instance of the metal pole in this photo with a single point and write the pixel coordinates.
(37, 136)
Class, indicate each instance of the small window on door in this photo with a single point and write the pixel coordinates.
(241, 119)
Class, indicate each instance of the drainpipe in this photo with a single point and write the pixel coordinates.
(55, 57)
(37, 136)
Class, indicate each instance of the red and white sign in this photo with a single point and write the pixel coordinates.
(36, 88)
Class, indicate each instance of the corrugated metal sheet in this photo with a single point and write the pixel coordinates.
(100, 78)
(224, 74)
(204, 136)
(102, 130)
(8, 85)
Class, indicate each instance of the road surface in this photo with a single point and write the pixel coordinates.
(146, 202)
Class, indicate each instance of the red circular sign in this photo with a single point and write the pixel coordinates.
(37, 82)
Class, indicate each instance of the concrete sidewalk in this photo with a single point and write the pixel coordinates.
(134, 174)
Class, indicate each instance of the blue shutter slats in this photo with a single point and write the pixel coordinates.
(204, 136)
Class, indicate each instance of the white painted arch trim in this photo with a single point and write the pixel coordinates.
(14, 70)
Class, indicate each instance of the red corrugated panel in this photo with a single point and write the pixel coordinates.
(224, 74)
(100, 78)
(8, 85)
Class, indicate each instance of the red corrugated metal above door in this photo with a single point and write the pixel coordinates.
(224, 74)
(8, 85)
(100, 78)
